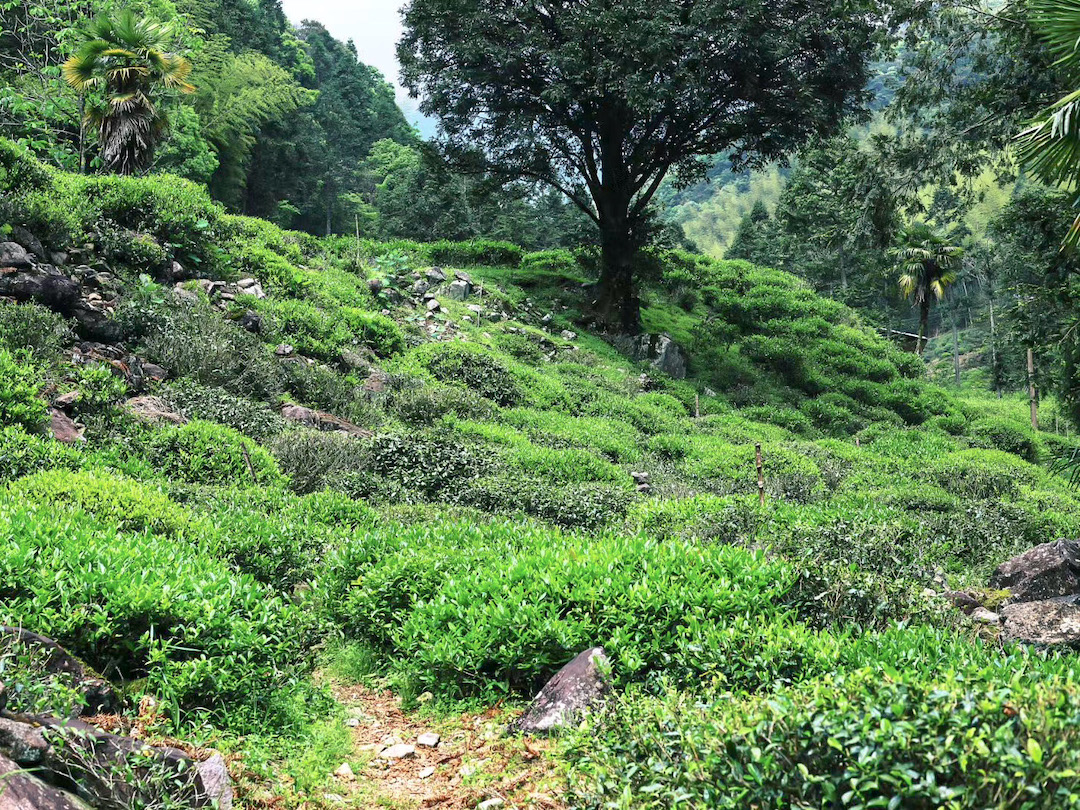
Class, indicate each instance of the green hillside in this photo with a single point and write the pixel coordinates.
(476, 523)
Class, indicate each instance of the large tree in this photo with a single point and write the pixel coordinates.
(604, 99)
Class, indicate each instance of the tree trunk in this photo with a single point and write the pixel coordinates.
(924, 323)
(955, 350)
(617, 305)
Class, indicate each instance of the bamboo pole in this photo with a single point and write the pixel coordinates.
(1033, 395)
(760, 474)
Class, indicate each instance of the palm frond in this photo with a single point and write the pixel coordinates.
(1058, 22)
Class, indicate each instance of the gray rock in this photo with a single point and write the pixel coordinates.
(216, 782)
(420, 287)
(30, 242)
(459, 290)
(153, 410)
(284, 350)
(399, 751)
(19, 790)
(490, 804)
(1044, 572)
(660, 351)
(579, 686)
(21, 742)
(12, 254)
(566, 334)
(461, 275)
(99, 694)
(43, 285)
(436, 275)
(321, 420)
(251, 321)
(962, 600)
(429, 740)
(1045, 623)
(984, 616)
(433, 305)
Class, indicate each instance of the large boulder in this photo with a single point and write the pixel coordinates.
(12, 254)
(1047, 571)
(20, 790)
(579, 686)
(1046, 623)
(660, 351)
(99, 695)
(44, 285)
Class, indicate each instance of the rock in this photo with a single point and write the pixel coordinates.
(429, 740)
(99, 694)
(284, 350)
(251, 321)
(19, 790)
(547, 319)
(399, 751)
(577, 687)
(427, 773)
(321, 420)
(984, 616)
(660, 351)
(962, 599)
(44, 285)
(65, 401)
(433, 305)
(459, 290)
(21, 742)
(490, 804)
(153, 410)
(345, 772)
(216, 782)
(476, 309)
(352, 722)
(1044, 572)
(377, 382)
(30, 242)
(249, 286)
(63, 427)
(567, 335)
(1045, 623)
(420, 288)
(154, 372)
(436, 275)
(14, 255)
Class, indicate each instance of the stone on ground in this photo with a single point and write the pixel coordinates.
(579, 686)
(1044, 572)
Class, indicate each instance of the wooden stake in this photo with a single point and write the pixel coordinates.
(1033, 394)
(697, 406)
(247, 458)
(760, 475)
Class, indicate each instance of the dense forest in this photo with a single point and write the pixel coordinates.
(691, 421)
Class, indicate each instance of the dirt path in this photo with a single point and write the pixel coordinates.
(473, 764)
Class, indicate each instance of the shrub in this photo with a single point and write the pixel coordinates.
(213, 404)
(205, 453)
(313, 459)
(100, 388)
(565, 466)
(856, 739)
(32, 328)
(484, 252)
(473, 368)
(577, 506)
(425, 405)
(20, 389)
(205, 639)
(118, 502)
(998, 434)
(22, 453)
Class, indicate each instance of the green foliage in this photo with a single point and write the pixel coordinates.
(207, 641)
(205, 453)
(999, 434)
(20, 390)
(212, 404)
(22, 453)
(32, 328)
(471, 367)
(117, 502)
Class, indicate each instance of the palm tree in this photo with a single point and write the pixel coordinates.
(125, 58)
(1050, 147)
(927, 265)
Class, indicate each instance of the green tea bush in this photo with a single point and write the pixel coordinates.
(20, 389)
(855, 739)
(99, 387)
(567, 466)
(312, 459)
(423, 406)
(472, 367)
(22, 453)
(982, 473)
(510, 606)
(118, 502)
(207, 453)
(999, 434)
(206, 640)
(587, 507)
(212, 404)
(32, 328)
(727, 469)
(484, 252)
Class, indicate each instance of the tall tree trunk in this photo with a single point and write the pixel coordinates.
(617, 305)
(955, 350)
(924, 323)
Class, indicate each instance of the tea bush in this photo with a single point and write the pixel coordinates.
(471, 367)
(20, 389)
(32, 328)
(22, 453)
(211, 404)
(206, 640)
(999, 434)
(860, 740)
(118, 502)
(206, 453)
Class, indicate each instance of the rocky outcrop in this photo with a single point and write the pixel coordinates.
(66, 763)
(579, 686)
(659, 351)
(21, 790)
(153, 410)
(1044, 572)
(1045, 623)
(322, 421)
